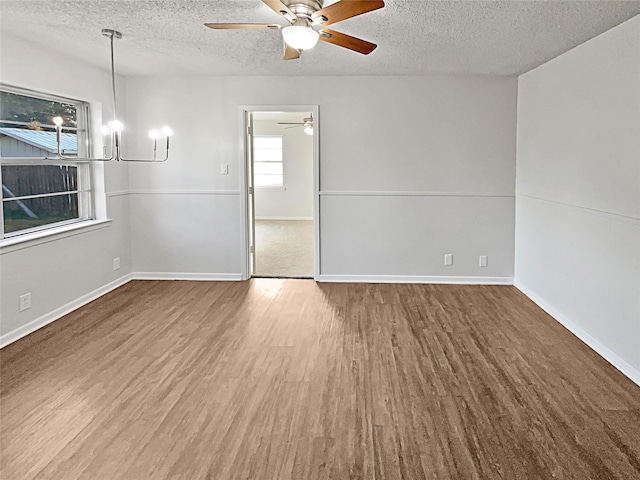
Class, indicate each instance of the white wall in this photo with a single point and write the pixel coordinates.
(578, 192)
(295, 200)
(410, 168)
(63, 272)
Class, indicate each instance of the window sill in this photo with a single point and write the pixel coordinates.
(50, 235)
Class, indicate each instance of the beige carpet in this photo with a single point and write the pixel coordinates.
(284, 248)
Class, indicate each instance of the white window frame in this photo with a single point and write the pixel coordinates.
(272, 187)
(84, 191)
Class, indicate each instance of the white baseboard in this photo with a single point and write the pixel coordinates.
(284, 218)
(415, 279)
(186, 276)
(610, 356)
(54, 315)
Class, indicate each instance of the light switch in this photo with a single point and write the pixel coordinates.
(224, 169)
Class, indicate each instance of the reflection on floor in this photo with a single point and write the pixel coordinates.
(284, 248)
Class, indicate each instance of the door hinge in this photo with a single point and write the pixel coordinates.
(250, 190)
(251, 249)
(249, 130)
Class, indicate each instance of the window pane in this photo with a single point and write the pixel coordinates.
(268, 180)
(26, 126)
(23, 180)
(267, 168)
(267, 142)
(25, 142)
(35, 212)
(33, 110)
(267, 155)
(27, 132)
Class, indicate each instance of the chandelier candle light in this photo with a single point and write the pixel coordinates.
(113, 131)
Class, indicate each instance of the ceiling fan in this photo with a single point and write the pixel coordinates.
(307, 123)
(303, 16)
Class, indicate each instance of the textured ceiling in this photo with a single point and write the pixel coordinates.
(414, 36)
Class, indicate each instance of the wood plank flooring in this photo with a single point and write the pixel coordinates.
(289, 379)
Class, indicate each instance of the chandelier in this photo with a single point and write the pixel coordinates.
(112, 132)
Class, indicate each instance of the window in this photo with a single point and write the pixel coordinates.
(268, 168)
(38, 193)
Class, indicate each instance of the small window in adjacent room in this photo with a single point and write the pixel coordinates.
(40, 193)
(268, 170)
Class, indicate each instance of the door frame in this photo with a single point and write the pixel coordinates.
(244, 110)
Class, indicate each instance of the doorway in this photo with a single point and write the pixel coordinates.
(281, 191)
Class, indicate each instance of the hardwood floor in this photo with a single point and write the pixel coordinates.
(289, 379)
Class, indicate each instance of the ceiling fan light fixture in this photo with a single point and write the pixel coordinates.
(308, 129)
(300, 35)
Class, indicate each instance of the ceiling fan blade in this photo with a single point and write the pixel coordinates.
(347, 41)
(345, 9)
(290, 53)
(243, 26)
(295, 126)
(280, 8)
(287, 123)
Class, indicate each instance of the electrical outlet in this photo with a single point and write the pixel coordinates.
(482, 261)
(25, 301)
(116, 263)
(448, 259)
